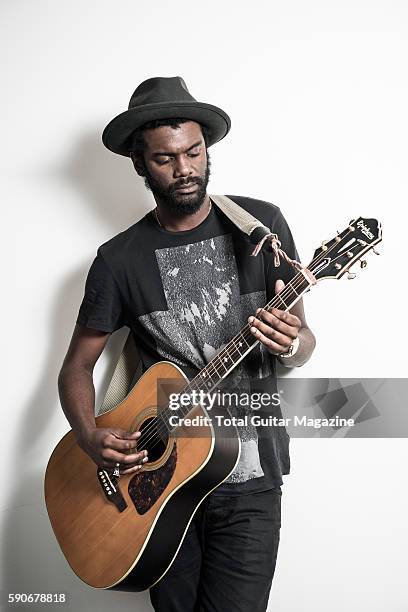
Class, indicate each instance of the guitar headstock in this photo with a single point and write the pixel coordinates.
(336, 256)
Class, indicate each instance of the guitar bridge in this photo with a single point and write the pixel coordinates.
(110, 488)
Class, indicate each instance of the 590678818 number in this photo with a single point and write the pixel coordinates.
(34, 598)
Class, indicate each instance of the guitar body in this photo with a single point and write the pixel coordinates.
(133, 548)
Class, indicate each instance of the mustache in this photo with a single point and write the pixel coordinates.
(185, 183)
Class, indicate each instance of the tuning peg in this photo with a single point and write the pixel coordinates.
(351, 275)
(338, 237)
(324, 247)
(376, 252)
(363, 263)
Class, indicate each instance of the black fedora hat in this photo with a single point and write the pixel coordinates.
(163, 98)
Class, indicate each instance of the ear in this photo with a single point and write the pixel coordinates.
(138, 163)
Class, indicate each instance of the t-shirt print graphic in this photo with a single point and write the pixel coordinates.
(204, 311)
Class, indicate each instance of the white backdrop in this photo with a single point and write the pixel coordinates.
(317, 93)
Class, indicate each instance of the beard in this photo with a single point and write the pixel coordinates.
(177, 204)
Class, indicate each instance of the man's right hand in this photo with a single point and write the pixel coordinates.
(108, 446)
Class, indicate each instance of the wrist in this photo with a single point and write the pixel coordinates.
(307, 343)
(292, 350)
(85, 432)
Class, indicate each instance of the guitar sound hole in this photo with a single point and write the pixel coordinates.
(154, 438)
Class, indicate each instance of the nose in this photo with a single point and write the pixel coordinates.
(181, 167)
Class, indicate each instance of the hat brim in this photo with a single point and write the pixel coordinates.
(116, 134)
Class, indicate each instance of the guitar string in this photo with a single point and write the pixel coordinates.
(295, 284)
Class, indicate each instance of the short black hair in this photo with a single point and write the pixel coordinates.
(137, 143)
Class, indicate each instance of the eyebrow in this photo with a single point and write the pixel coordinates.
(193, 146)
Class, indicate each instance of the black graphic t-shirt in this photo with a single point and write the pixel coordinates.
(184, 295)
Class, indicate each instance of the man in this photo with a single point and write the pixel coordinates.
(182, 280)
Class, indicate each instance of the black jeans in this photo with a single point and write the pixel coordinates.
(227, 559)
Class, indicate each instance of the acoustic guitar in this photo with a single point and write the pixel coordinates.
(124, 532)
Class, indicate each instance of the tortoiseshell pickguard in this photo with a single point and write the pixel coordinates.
(146, 487)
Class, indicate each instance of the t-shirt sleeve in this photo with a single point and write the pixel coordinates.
(284, 271)
(102, 306)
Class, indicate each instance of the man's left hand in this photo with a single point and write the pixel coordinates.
(276, 329)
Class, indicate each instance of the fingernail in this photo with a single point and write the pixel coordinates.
(250, 319)
(144, 460)
(253, 330)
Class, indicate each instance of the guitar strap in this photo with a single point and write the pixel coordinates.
(128, 367)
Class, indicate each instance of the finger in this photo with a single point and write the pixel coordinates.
(276, 323)
(111, 441)
(279, 285)
(286, 317)
(111, 456)
(125, 435)
(135, 468)
(271, 333)
(275, 347)
(131, 460)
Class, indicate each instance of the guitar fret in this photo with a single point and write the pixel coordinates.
(219, 367)
(226, 359)
(208, 382)
(215, 362)
(242, 337)
(236, 354)
(238, 344)
(292, 295)
(282, 300)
